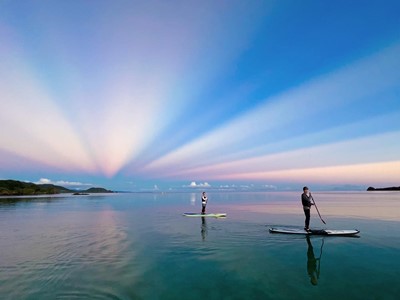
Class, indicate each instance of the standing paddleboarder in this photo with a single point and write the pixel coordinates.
(306, 201)
(204, 201)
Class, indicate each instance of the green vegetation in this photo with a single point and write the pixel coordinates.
(19, 188)
(16, 188)
(97, 190)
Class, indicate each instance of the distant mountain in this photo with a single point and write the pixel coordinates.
(20, 188)
(59, 188)
(17, 188)
(92, 190)
(393, 188)
(97, 190)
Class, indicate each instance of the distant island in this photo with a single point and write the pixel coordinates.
(20, 188)
(393, 188)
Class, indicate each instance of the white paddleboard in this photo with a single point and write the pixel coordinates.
(289, 230)
(216, 215)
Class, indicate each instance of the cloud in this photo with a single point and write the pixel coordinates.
(43, 181)
(193, 184)
(62, 182)
(270, 187)
(226, 186)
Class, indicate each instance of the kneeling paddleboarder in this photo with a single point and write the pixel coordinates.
(306, 201)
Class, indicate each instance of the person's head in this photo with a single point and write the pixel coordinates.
(204, 193)
(305, 189)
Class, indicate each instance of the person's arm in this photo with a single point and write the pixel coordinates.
(306, 200)
(311, 197)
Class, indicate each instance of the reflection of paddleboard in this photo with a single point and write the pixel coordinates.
(217, 215)
(289, 230)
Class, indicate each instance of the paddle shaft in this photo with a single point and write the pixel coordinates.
(315, 204)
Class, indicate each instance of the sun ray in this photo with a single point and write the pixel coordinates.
(302, 106)
(32, 125)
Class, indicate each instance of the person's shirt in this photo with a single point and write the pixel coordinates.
(204, 200)
(306, 201)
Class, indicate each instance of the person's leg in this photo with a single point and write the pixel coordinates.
(307, 221)
(203, 210)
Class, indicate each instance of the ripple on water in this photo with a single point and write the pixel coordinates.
(59, 257)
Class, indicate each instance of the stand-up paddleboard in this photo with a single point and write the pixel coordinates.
(217, 215)
(288, 230)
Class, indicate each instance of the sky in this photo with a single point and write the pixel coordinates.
(134, 95)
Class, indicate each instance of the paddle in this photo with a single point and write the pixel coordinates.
(317, 210)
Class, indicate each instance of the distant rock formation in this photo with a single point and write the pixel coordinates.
(393, 188)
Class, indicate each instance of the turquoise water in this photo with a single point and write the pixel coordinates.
(139, 246)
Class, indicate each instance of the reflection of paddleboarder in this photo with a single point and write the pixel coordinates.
(204, 229)
(313, 269)
(204, 201)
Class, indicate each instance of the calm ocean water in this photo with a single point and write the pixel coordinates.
(139, 246)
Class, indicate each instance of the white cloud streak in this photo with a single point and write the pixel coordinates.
(193, 184)
(62, 182)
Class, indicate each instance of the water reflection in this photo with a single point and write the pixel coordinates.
(193, 199)
(204, 229)
(15, 201)
(128, 247)
(313, 264)
(371, 205)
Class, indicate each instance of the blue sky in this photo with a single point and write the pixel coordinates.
(132, 94)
